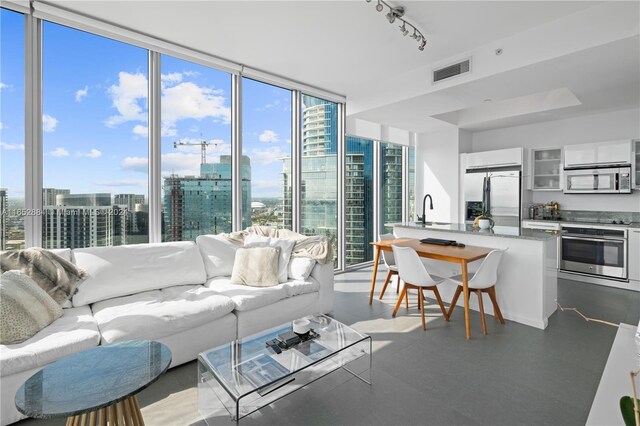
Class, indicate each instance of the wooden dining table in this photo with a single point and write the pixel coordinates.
(460, 255)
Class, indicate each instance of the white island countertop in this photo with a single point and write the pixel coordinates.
(496, 231)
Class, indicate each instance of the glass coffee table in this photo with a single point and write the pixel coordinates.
(245, 375)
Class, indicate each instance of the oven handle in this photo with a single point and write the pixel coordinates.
(604, 239)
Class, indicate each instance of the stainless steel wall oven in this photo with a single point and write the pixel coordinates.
(593, 250)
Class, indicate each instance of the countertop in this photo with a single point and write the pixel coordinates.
(496, 231)
(573, 222)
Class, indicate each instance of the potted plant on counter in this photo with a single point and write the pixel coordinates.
(483, 221)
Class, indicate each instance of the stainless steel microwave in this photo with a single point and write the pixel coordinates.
(606, 180)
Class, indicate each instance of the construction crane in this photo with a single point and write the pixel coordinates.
(202, 143)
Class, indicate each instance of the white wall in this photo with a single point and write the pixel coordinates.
(437, 165)
(623, 124)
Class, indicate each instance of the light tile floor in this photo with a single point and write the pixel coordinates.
(514, 375)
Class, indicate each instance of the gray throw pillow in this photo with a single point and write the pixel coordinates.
(25, 308)
(58, 277)
(256, 267)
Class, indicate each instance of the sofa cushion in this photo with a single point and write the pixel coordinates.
(159, 313)
(298, 287)
(285, 246)
(75, 331)
(218, 254)
(248, 298)
(123, 270)
(25, 308)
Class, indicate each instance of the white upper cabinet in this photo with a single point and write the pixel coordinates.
(636, 163)
(497, 158)
(598, 154)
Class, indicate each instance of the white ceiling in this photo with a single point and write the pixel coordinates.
(348, 48)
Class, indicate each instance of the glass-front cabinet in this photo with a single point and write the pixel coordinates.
(636, 159)
(546, 169)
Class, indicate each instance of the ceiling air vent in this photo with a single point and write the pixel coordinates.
(451, 70)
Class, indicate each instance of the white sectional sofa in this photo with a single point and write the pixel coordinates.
(176, 293)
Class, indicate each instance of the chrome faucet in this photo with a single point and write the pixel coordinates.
(423, 219)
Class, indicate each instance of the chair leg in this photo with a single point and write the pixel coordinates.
(406, 299)
(402, 295)
(480, 302)
(398, 285)
(439, 299)
(421, 303)
(454, 300)
(496, 309)
(386, 283)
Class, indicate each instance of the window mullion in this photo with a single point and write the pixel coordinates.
(155, 150)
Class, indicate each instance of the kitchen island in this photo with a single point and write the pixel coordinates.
(527, 286)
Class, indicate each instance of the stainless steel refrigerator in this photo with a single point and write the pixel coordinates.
(497, 190)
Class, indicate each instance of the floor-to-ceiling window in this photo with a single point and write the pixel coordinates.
(391, 197)
(12, 175)
(358, 200)
(94, 140)
(319, 171)
(195, 115)
(266, 142)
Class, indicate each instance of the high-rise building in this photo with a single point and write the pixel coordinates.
(391, 185)
(137, 220)
(358, 200)
(4, 212)
(83, 220)
(49, 195)
(196, 205)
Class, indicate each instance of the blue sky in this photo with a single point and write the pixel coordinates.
(95, 115)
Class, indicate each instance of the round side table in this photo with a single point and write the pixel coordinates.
(96, 386)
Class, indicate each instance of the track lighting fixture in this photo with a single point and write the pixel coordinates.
(391, 17)
(398, 13)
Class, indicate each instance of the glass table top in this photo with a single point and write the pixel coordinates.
(246, 365)
(93, 379)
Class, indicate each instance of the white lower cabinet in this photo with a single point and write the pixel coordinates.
(634, 254)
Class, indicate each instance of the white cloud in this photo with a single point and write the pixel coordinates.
(122, 182)
(182, 164)
(12, 146)
(188, 100)
(94, 153)
(59, 152)
(49, 123)
(140, 130)
(268, 136)
(1, 125)
(194, 129)
(172, 78)
(81, 93)
(137, 164)
(128, 96)
(4, 86)
(267, 156)
(270, 105)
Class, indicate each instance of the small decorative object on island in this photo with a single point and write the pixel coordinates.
(483, 221)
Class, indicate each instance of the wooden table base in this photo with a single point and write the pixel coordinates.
(123, 413)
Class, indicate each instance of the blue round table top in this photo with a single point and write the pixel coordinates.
(93, 379)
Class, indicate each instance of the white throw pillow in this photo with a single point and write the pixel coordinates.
(300, 267)
(256, 267)
(285, 246)
(218, 254)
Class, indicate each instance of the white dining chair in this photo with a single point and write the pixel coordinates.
(483, 281)
(390, 262)
(414, 275)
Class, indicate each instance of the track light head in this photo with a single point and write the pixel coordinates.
(368, 1)
(379, 7)
(423, 44)
(404, 30)
(391, 17)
